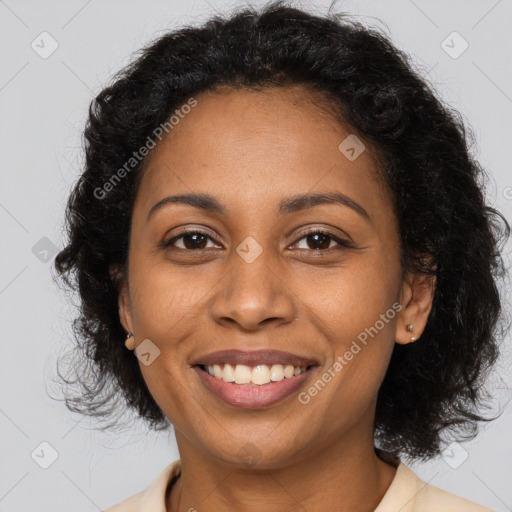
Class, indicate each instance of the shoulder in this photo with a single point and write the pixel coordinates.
(131, 504)
(409, 493)
(151, 499)
(434, 499)
(430, 498)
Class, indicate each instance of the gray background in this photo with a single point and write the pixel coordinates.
(44, 103)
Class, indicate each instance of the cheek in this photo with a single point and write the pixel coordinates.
(355, 310)
(164, 300)
(166, 306)
(348, 300)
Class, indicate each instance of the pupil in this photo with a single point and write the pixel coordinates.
(323, 238)
(194, 244)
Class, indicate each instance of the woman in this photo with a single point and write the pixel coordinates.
(284, 225)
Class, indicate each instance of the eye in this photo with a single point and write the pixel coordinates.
(193, 239)
(319, 240)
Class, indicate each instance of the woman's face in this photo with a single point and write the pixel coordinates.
(258, 281)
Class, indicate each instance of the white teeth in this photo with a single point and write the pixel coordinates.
(217, 371)
(260, 374)
(242, 374)
(228, 374)
(288, 371)
(276, 372)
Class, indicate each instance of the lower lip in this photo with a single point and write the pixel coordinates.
(252, 396)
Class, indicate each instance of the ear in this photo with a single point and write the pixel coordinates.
(416, 297)
(124, 302)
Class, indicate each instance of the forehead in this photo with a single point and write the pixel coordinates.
(252, 145)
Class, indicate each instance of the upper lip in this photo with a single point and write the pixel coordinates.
(254, 357)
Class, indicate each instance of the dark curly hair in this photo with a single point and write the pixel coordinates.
(423, 150)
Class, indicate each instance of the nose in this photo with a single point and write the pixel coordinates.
(252, 295)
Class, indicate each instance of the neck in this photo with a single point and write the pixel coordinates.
(344, 475)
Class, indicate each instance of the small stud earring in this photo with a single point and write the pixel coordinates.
(130, 341)
(410, 329)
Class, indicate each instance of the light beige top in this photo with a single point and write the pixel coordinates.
(407, 493)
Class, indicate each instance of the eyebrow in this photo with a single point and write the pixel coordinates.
(287, 206)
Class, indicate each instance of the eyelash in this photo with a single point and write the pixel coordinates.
(340, 241)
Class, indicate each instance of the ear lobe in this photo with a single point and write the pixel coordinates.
(124, 304)
(123, 299)
(417, 299)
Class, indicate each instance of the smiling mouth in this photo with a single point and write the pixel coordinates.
(253, 375)
(251, 387)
